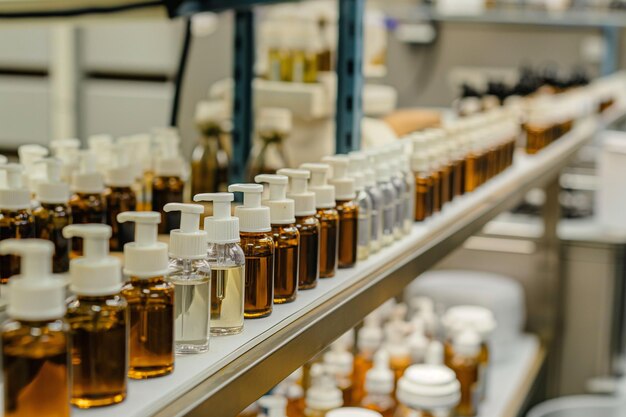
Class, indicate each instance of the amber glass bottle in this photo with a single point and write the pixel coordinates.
(167, 189)
(258, 249)
(463, 357)
(118, 200)
(50, 219)
(423, 196)
(309, 229)
(16, 224)
(436, 190)
(444, 178)
(472, 170)
(286, 251)
(86, 208)
(329, 237)
(209, 159)
(348, 217)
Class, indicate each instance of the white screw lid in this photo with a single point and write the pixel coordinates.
(324, 193)
(477, 318)
(87, 179)
(356, 169)
(146, 257)
(14, 196)
(211, 112)
(29, 155)
(352, 412)
(324, 394)
(344, 185)
(253, 217)
(370, 337)
(120, 173)
(380, 379)
(420, 161)
(37, 293)
(338, 360)
(428, 387)
(466, 343)
(282, 209)
(304, 200)
(188, 242)
(221, 227)
(96, 273)
(52, 190)
(169, 167)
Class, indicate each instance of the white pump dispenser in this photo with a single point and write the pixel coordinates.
(67, 151)
(188, 242)
(87, 179)
(36, 294)
(52, 190)
(304, 199)
(253, 217)
(324, 193)
(120, 173)
(355, 169)
(221, 228)
(344, 185)
(282, 209)
(29, 155)
(146, 257)
(380, 379)
(96, 273)
(323, 395)
(14, 196)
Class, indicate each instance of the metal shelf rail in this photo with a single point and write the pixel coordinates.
(241, 368)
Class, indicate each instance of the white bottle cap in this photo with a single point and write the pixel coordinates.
(477, 318)
(276, 405)
(67, 151)
(344, 185)
(324, 193)
(417, 341)
(466, 343)
(211, 112)
(338, 360)
(420, 161)
(352, 412)
(253, 217)
(100, 145)
(96, 273)
(169, 167)
(35, 294)
(87, 179)
(355, 167)
(383, 172)
(221, 227)
(370, 337)
(120, 173)
(146, 257)
(380, 379)
(52, 190)
(323, 394)
(274, 119)
(298, 191)
(14, 196)
(143, 144)
(29, 155)
(188, 242)
(282, 209)
(434, 353)
(429, 387)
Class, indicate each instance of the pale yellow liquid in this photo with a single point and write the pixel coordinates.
(227, 300)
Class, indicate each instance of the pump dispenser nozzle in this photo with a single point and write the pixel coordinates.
(253, 217)
(14, 196)
(188, 242)
(120, 173)
(221, 228)
(146, 257)
(282, 209)
(87, 179)
(35, 294)
(344, 185)
(52, 190)
(380, 379)
(324, 193)
(304, 200)
(96, 273)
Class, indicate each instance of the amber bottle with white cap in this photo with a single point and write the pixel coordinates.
(379, 386)
(430, 390)
(327, 216)
(88, 204)
(368, 342)
(286, 238)
(99, 320)
(420, 164)
(150, 298)
(227, 262)
(16, 218)
(168, 185)
(120, 196)
(35, 340)
(190, 273)
(258, 247)
(339, 362)
(365, 204)
(268, 153)
(308, 226)
(347, 209)
(464, 360)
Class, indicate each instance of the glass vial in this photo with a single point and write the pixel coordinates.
(364, 232)
(423, 186)
(329, 237)
(14, 224)
(286, 250)
(389, 196)
(348, 212)
(227, 288)
(309, 230)
(258, 249)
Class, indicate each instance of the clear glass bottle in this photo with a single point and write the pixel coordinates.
(268, 153)
(364, 201)
(409, 200)
(397, 181)
(389, 195)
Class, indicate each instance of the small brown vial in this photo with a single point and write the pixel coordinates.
(36, 362)
(423, 196)
(458, 184)
(286, 250)
(50, 219)
(444, 188)
(86, 208)
(16, 224)
(119, 199)
(348, 217)
(151, 304)
(436, 200)
(258, 249)
(329, 235)
(471, 172)
(466, 370)
(99, 331)
(167, 190)
(309, 229)
(537, 138)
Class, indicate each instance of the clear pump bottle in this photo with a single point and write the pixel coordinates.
(427, 391)
(327, 216)
(286, 238)
(190, 273)
(120, 197)
(365, 204)
(16, 218)
(35, 340)
(99, 320)
(347, 209)
(227, 262)
(375, 194)
(258, 247)
(54, 213)
(308, 226)
(379, 386)
(150, 298)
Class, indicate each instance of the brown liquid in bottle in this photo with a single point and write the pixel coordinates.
(458, 186)
(423, 196)
(436, 200)
(471, 172)
(363, 362)
(86, 208)
(536, 138)
(329, 236)
(348, 218)
(120, 199)
(209, 164)
(50, 219)
(17, 224)
(99, 332)
(258, 249)
(286, 251)
(36, 369)
(309, 229)
(151, 303)
(167, 190)
(466, 370)
(444, 178)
